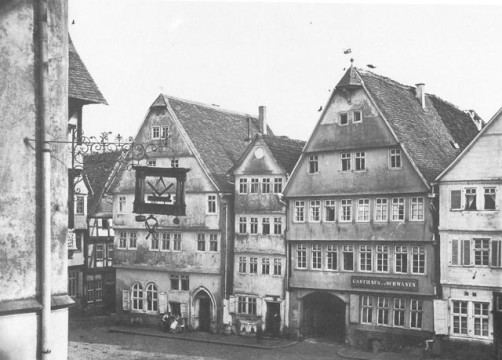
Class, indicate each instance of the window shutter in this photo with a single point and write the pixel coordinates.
(162, 302)
(231, 304)
(466, 250)
(441, 317)
(184, 310)
(125, 300)
(354, 308)
(496, 253)
(258, 306)
(454, 260)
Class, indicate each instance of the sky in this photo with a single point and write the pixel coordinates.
(287, 56)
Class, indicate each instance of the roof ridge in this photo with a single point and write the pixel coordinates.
(212, 106)
(385, 78)
(284, 137)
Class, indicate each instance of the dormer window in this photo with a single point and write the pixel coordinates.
(357, 117)
(155, 132)
(344, 118)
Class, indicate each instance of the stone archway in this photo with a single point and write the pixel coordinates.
(203, 310)
(323, 316)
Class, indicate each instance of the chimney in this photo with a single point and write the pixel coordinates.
(262, 119)
(420, 94)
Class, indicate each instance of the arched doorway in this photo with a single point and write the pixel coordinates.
(203, 310)
(323, 316)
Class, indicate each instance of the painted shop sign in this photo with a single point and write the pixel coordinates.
(384, 283)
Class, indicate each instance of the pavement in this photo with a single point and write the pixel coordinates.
(266, 343)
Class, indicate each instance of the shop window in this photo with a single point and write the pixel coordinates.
(246, 305)
(416, 313)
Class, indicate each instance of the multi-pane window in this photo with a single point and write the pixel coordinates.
(265, 266)
(481, 317)
(165, 132)
(481, 252)
(253, 265)
(397, 209)
(315, 210)
(133, 239)
(152, 297)
(345, 161)
(277, 266)
(255, 183)
(98, 290)
(242, 264)
(417, 209)
(165, 241)
(346, 210)
(185, 282)
(395, 158)
(213, 242)
(417, 260)
(497, 255)
(416, 313)
(253, 226)
(316, 257)
(331, 257)
(265, 186)
(360, 159)
(243, 225)
(456, 199)
(180, 282)
(490, 198)
(401, 259)
(313, 164)
(175, 163)
(122, 240)
(155, 132)
(383, 311)
(201, 242)
(154, 243)
(246, 305)
(348, 257)
(90, 291)
(329, 210)
(278, 185)
(177, 242)
(243, 186)
(399, 310)
(459, 314)
(363, 210)
(299, 211)
(343, 118)
(301, 256)
(80, 205)
(470, 199)
(382, 258)
(358, 117)
(381, 209)
(109, 253)
(277, 226)
(365, 257)
(137, 297)
(265, 226)
(151, 162)
(122, 204)
(211, 204)
(72, 283)
(366, 309)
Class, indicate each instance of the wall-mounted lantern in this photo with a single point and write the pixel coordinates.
(160, 191)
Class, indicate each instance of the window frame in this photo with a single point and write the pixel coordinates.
(331, 260)
(301, 256)
(253, 225)
(313, 164)
(365, 210)
(177, 242)
(420, 258)
(278, 184)
(395, 158)
(243, 225)
(360, 161)
(277, 225)
(470, 192)
(382, 208)
(253, 265)
(345, 209)
(348, 249)
(242, 264)
(79, 204)
(277, 267)
(254, 186)
(401, 254)
(265, 226)
(315, 211)
(366, 309)
(175, 163)
(133, 239)
(365, 258)
(299, 209)
(420, 208)
(354, 116)
(213, 242)
(243, 186)
(122, 204)
(346, 121)
(345, 161)
(152, 298)
(155, 132)
(165, 238)
(331, 205)
(266, 186)
(316, 257)
(398, 202)
(201, 242)
(416, 313)
(265, 266)
(212, 204)
(490, 191)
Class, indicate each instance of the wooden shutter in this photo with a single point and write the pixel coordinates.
(184, 310)
(231, 304)
(454, 260)
(125, 300)
(258, 306)
(496, 253)
(441, 317)
(162, 302)
(354, 308)
(466, 252)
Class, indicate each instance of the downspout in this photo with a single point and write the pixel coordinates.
(44, 154)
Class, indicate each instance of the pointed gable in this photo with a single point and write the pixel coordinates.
(285, 150)
(428, 135)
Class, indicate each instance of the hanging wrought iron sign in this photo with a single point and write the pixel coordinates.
(160, 191)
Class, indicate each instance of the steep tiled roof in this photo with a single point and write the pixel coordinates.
(429, 134)
(97, 168)
(285, 150)
(218, 135)
(81, 86)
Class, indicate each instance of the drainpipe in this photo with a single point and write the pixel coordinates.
(44, 154)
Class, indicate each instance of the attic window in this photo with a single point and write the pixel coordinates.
(344, 118)
(454, 145)
(357, 117)
(165, 132)
(155, 132)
